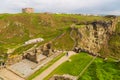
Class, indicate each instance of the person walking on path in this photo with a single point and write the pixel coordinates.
(67, 54)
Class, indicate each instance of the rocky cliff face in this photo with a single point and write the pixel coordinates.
(93, 36)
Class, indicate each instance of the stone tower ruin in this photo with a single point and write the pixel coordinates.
(27, 10)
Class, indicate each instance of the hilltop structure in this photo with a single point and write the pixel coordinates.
(28, 10)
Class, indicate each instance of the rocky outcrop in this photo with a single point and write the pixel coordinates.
(91, 37)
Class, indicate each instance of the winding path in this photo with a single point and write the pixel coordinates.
(54, 66)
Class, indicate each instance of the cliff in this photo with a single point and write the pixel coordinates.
(94, 36)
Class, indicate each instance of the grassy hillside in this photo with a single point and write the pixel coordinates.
(15, 29)
(64, 42)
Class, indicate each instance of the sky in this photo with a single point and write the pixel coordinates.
(63, 6)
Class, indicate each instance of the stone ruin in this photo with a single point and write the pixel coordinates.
(34, 55)
(63, 77)
(42, 51)
(12, 59)
(28, 10)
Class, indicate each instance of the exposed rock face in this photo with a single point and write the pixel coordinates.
(93, 36)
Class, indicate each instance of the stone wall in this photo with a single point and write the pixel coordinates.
(63, 77)
(32, 55)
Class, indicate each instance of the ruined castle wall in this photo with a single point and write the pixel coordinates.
(63, 77)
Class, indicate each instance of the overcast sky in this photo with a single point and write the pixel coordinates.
(62, 6)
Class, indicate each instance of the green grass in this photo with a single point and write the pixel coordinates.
(45, 67)
(79, 26)
(101, 70)
(98, 70)
(22, 48)
(77, 64)
(64, 43)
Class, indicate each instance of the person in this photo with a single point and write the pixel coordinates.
(67, 54)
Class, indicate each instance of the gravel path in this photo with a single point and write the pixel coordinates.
(54, 66)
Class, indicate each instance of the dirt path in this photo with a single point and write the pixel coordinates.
(8, 75)
(54, 66)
